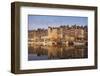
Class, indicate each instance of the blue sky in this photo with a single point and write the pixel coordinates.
(43, 21)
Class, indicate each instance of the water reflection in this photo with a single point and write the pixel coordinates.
(56, 52)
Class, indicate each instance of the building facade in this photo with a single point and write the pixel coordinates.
(58, 35)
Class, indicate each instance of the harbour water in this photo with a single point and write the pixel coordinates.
(57, 52)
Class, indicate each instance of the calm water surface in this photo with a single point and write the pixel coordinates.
(56, 52)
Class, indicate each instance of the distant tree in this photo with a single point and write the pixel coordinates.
(67, 26)
(85, 26)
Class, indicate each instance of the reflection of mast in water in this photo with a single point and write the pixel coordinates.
(61, 52)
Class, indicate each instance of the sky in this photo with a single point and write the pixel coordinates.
(43, 21)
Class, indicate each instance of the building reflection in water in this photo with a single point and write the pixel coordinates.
(57, 52)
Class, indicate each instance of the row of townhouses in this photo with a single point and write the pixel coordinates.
(62, 35)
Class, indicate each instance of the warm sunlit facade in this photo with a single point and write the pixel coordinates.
(58, 35)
